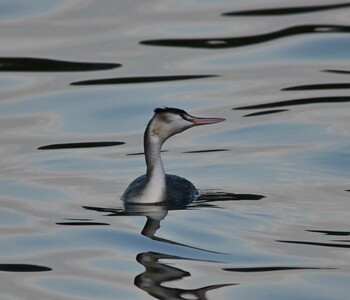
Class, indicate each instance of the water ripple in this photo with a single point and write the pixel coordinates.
(241, 41)
(303, 101)
(332, 245)
(331, 232)
(272, 269)
(135, 80)
(80, 145)
(337, 71)
(323, 86)
(206, 151)
(23, 268)
(266, 112)
(278, 11)
(30, 64)
(82, 223)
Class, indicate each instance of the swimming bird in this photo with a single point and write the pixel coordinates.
(156, 186)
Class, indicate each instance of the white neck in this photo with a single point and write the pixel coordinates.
(155, 189)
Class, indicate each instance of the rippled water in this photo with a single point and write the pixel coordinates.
(78, 83)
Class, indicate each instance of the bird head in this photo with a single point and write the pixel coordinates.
(168, 121)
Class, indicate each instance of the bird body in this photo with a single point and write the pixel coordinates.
(156, 186)
(176, 189)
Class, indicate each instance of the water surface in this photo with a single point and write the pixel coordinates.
(78, 84)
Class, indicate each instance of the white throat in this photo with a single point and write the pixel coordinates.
(155, 189)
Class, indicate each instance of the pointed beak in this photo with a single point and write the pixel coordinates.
(205, 121)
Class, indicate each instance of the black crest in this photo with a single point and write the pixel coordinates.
(171, 110)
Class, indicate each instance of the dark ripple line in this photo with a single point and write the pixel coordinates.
(220, 43)
(272, 269)
(207, 151)
(315, 244)
(328, 232)
(266, 112)
(337, 71)
(80, 219)
(323, 86)
(80, 145)
(207, 196)
(23, 268)
(303, 101)
(81, 223)
(30, 64)
(285, 10)
(135, 80)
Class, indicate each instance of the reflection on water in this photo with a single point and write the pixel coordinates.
(337, 71)
(270, 269)
(266, 112)
(304, 101)
(206, 151)
(80, 80)
(323, 86)
(79, 223)
(286, 10)
(338, 244)
(157, 273)
(135, 80)
(29, 64)
(80, 145)
(328, 232)
(333, 245)
(22, 268)
(241, 41)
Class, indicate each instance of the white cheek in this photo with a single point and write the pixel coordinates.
(175, 125)
(181, 124)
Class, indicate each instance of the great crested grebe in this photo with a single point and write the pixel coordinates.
(156, 186)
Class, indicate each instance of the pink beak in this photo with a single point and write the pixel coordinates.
(205, 121)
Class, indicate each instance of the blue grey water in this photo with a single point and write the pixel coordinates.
(80, 79)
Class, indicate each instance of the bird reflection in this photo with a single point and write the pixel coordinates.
(156, 212)
(157, 273)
